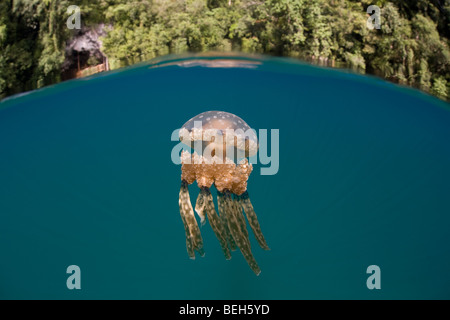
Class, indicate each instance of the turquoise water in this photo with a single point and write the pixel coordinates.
(86, 179)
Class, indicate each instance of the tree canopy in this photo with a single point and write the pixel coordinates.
(411, 48)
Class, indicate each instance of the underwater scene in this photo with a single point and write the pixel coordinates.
(354, 173)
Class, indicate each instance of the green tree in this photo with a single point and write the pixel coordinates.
(412, 46)
(440, 88)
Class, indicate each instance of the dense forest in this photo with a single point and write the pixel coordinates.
(411, 47)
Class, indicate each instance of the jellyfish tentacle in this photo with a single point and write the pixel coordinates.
(200, 207)
(246, 204)
(234, 226)
(189, 246)
(215, 222)
(194, 239)
(240, 216)
(223, 217)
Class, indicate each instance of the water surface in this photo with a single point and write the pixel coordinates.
(86, 179)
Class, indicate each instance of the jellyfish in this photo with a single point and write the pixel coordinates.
(221, 143)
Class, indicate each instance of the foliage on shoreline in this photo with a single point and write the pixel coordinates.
(411, 48)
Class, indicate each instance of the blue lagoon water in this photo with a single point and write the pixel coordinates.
(86, 179)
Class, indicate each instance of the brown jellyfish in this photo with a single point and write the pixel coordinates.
(221, 143)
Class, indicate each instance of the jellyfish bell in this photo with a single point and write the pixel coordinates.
(220, 132)
(221, 143)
